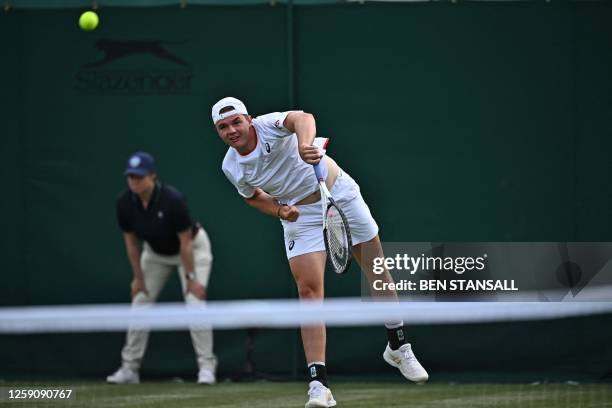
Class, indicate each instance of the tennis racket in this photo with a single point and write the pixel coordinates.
(336, 232)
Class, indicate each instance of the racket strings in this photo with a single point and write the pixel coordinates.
(337, 241)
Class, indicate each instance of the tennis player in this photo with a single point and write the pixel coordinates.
(270, 163)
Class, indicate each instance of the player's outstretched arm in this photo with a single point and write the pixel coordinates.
(268, 205)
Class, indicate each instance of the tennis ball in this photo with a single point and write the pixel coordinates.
(88, 21)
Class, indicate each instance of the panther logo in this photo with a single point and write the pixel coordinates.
(115, 49)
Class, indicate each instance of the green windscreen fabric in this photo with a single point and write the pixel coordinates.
(13, 162)
(75, 117)
(58, 4)
(471, 125)
(460, 122)
(62, 4)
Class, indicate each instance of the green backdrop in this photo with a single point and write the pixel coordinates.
(467, 122)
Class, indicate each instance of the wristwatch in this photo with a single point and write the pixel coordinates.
(190, 276)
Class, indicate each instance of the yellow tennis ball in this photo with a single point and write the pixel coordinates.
(89, 21)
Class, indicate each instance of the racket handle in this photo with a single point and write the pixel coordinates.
(319, 171)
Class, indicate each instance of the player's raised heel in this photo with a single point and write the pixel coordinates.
(319, 396)
(124, 375)
(403, 358)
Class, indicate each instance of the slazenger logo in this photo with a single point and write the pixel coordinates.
(277, 124)
(97, 77)
(268, 147)
(118, 49)
(291, 244)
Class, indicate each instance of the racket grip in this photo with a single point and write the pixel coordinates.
(319, 171)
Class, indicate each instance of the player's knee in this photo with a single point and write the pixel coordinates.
(310, 291)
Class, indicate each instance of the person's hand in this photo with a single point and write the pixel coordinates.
(196, 288)
(138, 285)
(310, 154)
(289, 213)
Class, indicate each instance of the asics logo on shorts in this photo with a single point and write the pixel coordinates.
(291, 244)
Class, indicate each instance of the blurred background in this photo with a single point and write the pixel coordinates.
(461, 121)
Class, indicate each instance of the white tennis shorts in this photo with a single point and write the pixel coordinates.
(306, 234)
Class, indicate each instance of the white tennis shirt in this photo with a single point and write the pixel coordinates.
(275, 165)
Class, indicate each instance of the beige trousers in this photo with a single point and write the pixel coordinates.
(156, 270)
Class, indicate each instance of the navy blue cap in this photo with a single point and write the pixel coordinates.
(140, 164)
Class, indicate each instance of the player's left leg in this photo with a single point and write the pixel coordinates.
(201, 335)
(308, 270)
(398, 352)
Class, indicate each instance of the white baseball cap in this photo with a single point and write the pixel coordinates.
(229, 102)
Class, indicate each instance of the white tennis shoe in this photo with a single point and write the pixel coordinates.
(124, 375)
(206, 376)
(403, 358)
(319, 396)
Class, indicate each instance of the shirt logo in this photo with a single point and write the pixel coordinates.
(268, 147)
(291, 244)
(160, 214)
(277, 124)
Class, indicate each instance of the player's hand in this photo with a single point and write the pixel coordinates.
(138, 285)
(289, 213)
(196, 288)
(310, 154)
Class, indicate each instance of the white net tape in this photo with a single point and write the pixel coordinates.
(281, 314)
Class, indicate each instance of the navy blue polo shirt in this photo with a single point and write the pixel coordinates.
(158, 225)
